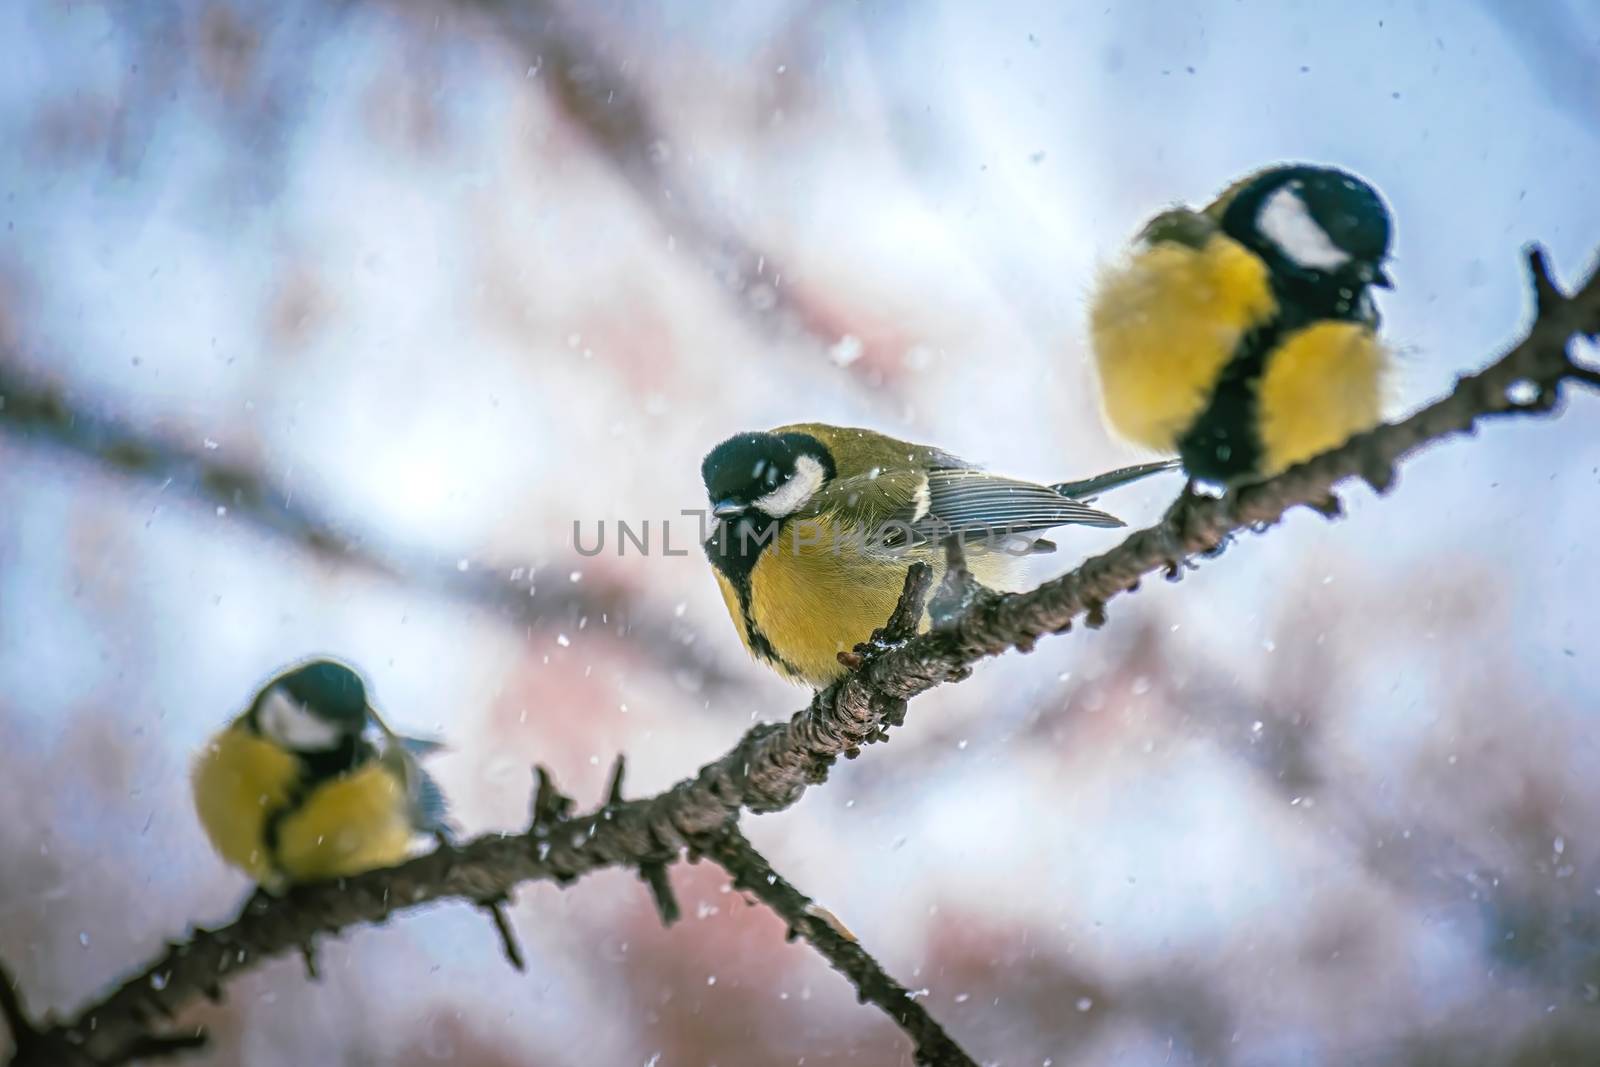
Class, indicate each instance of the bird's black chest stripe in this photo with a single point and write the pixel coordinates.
(734, 549)
(1225, 441)
(315, 768)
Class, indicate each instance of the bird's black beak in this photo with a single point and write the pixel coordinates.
(1381, 279)
(727, 509)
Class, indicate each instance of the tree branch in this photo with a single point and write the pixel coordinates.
(772, 765)
(751, 872)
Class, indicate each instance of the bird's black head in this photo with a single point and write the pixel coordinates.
(1324, 233)
(313, 707)
(768, 473)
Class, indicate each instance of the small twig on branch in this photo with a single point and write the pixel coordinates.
(308, 955)
(1547, 296)
(958, 590)
(508, 934)
(751, 872)
(901, 627)
(773, 763)
(550, 805)
(495, 906)
(907, 615)
(652, 872)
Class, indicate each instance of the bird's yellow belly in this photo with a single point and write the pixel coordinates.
(239, 780)
(347, 825)
(812, 601)
(1164, 325)
(1322, 385)
(343, 826)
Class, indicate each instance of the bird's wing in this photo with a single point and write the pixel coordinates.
(429, 811)
(900, 508)
(1180, 226)
(425, 802)
(868, 501)
(415, 746)
(978, 500)
(420, 747)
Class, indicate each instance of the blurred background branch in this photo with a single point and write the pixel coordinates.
(40, 415)
(593, 91)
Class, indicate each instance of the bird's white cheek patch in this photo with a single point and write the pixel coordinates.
(292, 725)
(792, 495)
(1287, 223)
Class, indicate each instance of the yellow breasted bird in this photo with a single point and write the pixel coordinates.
(309, 783)
(1243, 337)
(817, 526)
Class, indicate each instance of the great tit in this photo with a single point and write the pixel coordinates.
(1243, 337)
(817, 526)
(309, 783)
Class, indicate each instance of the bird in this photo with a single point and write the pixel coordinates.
(309, 783)
(816, 526)
(1243, 337)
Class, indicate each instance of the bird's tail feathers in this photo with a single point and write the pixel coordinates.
(1088, 488)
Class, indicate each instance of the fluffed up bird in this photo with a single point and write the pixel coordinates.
(817, 526)
(309, 783)
(1244, 337)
